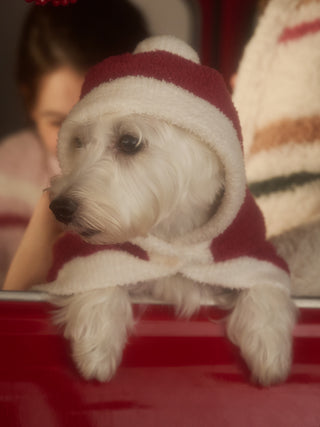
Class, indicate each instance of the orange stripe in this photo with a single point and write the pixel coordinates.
(282, 132)
(306, 2)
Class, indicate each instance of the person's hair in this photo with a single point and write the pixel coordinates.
(78, 35)
(262, 4)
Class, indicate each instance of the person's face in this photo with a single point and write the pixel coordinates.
(57, 94)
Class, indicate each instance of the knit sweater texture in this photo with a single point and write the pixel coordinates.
(277, 96)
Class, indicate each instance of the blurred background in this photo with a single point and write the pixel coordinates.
(216, 28)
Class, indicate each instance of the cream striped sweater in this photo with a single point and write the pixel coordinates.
(278, 99)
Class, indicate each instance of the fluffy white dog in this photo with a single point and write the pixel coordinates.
(153, 182)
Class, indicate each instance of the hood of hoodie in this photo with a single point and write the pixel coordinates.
(164, 79)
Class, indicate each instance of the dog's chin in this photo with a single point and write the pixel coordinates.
(98, 237)
(95, 237)
(92, 236)
(89, 233)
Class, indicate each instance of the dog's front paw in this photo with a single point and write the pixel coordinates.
(98, 358)
(261, 325)
(96, 323)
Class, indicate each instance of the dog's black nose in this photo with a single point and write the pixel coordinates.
(63, 209)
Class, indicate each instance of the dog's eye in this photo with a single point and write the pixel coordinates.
(77, 142)
(129, 144)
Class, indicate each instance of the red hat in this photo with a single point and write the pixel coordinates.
(164, 79)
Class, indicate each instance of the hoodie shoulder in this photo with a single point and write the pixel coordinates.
(246, 237)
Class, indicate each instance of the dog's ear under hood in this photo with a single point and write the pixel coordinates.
(164, 79)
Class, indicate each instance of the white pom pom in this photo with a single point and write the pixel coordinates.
(169, 44)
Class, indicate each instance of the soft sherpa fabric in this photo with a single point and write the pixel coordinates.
(277, 96)
(238, 258)
(163, 79)
(25, 170)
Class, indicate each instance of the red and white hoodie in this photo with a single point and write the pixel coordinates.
(164, 79)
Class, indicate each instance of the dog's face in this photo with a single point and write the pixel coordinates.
(124, 176)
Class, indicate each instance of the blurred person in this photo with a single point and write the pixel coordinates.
(57, 46)
(277, 96)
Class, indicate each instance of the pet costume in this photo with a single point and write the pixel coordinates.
(164, 79)
(277, 96)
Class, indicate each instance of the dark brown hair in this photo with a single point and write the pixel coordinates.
(78, 35)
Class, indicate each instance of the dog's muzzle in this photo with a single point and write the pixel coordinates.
(63, 209)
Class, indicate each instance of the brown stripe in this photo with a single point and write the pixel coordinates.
(305, 2)
(282, 132)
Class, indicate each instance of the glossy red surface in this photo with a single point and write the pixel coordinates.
(174, 373)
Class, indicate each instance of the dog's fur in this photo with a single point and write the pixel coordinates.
(170, 185)
(299, 247)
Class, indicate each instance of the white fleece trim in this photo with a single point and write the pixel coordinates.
(199, 253)
(284, 160)
(254, 68)
(169, 44)
(287, 209)
(106, 269)
(101, 270)
(168, 102)
(239, 273)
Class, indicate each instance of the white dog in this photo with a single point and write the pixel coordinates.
(152, 175)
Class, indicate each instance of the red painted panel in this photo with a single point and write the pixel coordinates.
(174, 373)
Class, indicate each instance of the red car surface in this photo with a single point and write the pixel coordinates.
(174, 372)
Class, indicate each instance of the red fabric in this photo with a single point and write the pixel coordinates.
(246, 237)
(12, 220)
(292, 33)
(72, 246)
(200, 80)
